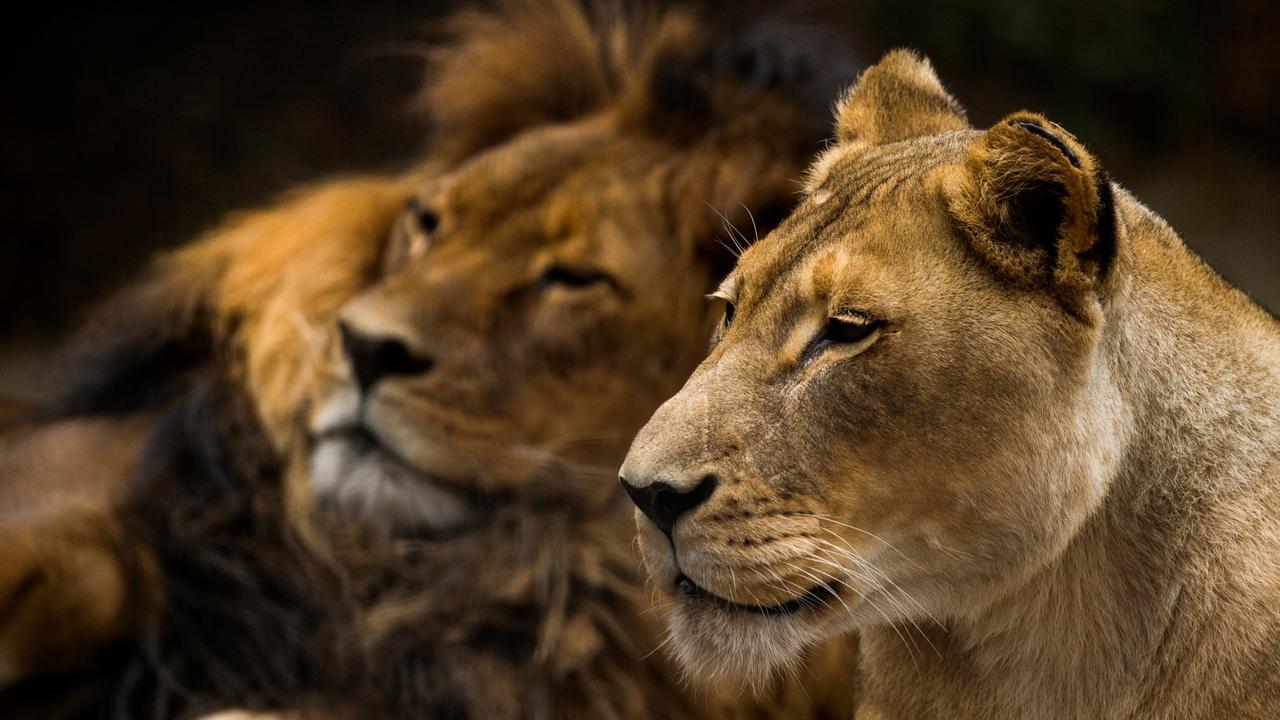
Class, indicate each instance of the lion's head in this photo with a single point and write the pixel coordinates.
(900, 417)
(493, 324)
(525, 296)
(543, 291)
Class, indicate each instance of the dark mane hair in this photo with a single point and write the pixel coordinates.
(552, 623)
(733, 97)
(520, 64)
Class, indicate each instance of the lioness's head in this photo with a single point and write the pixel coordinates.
(899, 416)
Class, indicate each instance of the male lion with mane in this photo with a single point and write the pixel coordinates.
(363, 440)
(979, 404)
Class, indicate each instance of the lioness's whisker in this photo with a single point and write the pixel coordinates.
(754, 229)
(897, 606)
(852, 555)
(833, 521)
(825, 581)
(731, 228)
(667, 639)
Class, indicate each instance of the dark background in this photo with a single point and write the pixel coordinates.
(129, 130)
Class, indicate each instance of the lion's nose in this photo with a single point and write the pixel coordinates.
(664, 504)
(373, 357)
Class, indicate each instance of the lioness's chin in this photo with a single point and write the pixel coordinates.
(718, 644)
(718, 641)
(361, 480)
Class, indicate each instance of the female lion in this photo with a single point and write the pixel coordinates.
(975, 401)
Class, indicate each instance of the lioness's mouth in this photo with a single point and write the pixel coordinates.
(815, 598)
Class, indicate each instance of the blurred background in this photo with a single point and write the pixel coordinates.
(131, 130)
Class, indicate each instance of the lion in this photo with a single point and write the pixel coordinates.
(372, 428)
(977, 403)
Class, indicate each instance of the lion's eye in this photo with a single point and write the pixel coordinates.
(843, 330)
(574, 278)
(428, 220)
(424, 218)
(728, 313)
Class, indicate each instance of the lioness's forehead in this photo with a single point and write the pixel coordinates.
(853, 190)
(864, 172)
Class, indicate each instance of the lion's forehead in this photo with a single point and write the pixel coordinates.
(533, 168)
(516, 204)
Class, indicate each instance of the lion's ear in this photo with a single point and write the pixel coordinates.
(898, 98)
(1036, 205)
(503, 68)
(743, 112)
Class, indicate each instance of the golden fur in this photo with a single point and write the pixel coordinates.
(976, 402)
(59, 533)
(581, 166)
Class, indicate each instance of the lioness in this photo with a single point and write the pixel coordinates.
(450, 363)
(975, 401)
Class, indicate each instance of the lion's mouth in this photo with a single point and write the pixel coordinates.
(363, 443)
(360, 476)
(360, 443)
(814, 599)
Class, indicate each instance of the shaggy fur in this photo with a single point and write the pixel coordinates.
(549, 259)
(978, 403)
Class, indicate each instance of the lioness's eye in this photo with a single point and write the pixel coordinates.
(560, 275)
(728, 313)
(843, 330)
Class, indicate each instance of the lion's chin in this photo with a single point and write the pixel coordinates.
(355, 476)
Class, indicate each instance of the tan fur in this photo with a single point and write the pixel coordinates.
(62, 587)
(899, 100)
(1042, 475)
(554, 145)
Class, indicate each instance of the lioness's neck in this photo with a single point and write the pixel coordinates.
(1173, 581)
(1197, 366)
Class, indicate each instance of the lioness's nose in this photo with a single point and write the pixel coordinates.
(374, 357)
(664, 504)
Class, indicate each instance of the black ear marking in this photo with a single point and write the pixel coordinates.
(1103, 250)
(1057, 142)
(1037, 206)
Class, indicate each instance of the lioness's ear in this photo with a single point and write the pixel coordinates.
(898, 98)
(1036, 206)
